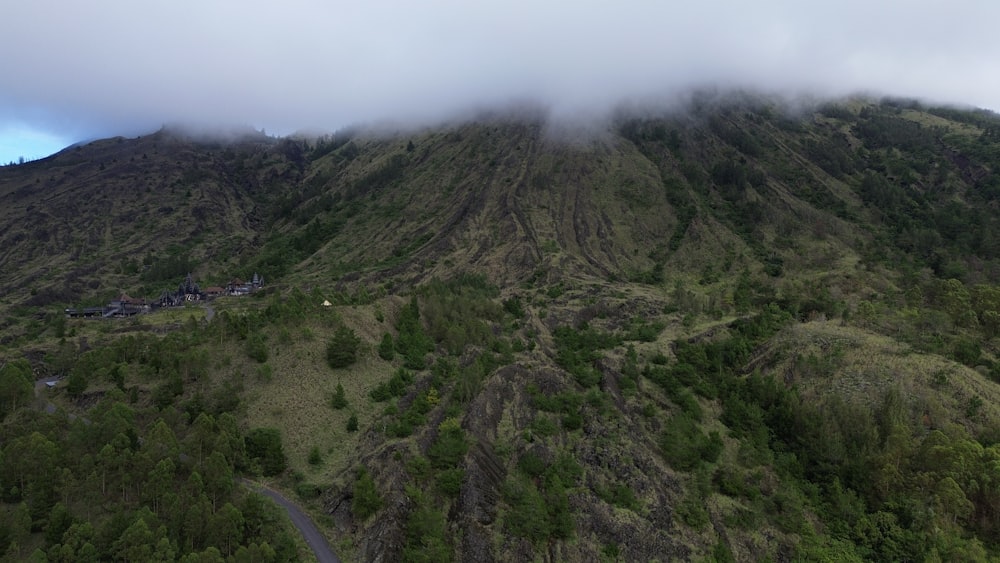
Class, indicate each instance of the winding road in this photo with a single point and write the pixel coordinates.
(314, 539)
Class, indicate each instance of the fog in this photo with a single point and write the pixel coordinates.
(80, 70)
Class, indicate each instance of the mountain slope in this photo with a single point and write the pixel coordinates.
(736, 331)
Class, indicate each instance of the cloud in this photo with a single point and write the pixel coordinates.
(104, 67)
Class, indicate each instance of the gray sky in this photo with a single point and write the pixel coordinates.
(82, 70)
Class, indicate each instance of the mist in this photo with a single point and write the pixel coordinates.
(110, 67)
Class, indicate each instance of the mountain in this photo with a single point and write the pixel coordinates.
(736, 329)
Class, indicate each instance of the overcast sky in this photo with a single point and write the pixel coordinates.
(81, 70)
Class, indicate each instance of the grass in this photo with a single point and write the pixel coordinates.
(870, 364)
(296, 399)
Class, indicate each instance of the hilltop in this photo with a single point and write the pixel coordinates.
(734, 330)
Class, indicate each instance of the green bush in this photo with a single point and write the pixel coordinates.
(514, 307)
(307, 491)
(543, 426)
(620, 495)
(692, 512)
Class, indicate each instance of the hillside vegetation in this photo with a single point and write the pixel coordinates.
(731, 331)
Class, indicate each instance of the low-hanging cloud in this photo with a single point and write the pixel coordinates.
(104, 67)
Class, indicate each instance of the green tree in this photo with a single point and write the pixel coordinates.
(218, 478)
(352, 423)
(387, 348)
(76, 384)
(339, 400)
(426, 532)
(159, 483)
(315, 457)
(264, 445)
(412, 343)
(226, 528)
(256, 348)
(528, 516)
(20, 530)
(160, 442)
(58, 522)
(342, 349)
(450, 446)
(15, 386)
(136, 543)
(366, 501)
(255, 553)
(201, 436)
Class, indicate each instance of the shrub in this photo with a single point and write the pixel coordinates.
(307, 491)
(543, 426)
(693, 513)
(514, 307)
(620, 495)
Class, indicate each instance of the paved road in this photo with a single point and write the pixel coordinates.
(315, 540)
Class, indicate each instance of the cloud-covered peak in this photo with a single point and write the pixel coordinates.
(116, 67)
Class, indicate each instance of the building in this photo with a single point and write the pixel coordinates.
(237, 286)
